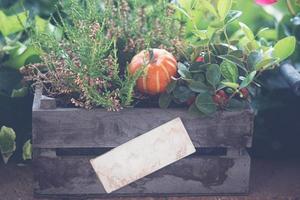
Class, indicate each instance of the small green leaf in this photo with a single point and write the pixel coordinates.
(224, 7)
(247, 31)
(164, 100)
(265, 64)
(27, 151)
(7, 142)
(170, 88)
(285, 48)
(229, 71)
(198, 67)
(267, 33)
(205, 104)
(198, 86)
(182, 93)
(12, 24)
(248, 80)
(20, 56)
(193, 110)
(213, 75)
(232, 16)
(44, 26)
(237, 53)
(183, 71)
(234, 60)
(206, 4)
(254, 58)
(231, 85)
(19, 92)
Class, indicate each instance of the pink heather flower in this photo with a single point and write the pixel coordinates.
(266, 2)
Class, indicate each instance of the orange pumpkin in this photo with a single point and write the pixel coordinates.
(158, 71)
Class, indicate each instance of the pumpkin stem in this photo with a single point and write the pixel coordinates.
(151, 55)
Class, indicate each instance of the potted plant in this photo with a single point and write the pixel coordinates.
(88, 68)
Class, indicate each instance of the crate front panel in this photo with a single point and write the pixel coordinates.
(73, 175)
(74, 128)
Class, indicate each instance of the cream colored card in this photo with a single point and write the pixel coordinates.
(143, 155)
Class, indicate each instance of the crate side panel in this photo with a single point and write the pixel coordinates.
(73, 176)
(72, 128)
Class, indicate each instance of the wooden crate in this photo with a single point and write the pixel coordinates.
(64, 140)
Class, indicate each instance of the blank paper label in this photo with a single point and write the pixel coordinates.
(143, 155)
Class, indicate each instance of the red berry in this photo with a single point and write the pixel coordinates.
(220, 98)
(191, 100)
(244, 92)
(200, 59)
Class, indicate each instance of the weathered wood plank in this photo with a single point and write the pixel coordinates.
(73, 128)
(64, 176)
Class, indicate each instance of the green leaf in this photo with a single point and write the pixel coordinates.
(19, 58)
(248, 80)
(12, 24)
(247, 31)
(198, 67)
(237, 53)
(231, 85)
(27, 151)
(234, 60)
(254, 58)
(193, 110)
(265, 64)
(206, 4)
(7, 142)
(229, 71)
(232, 16)
(267, 33)
(170, 88)
(183, 71)
(213, 75)
(205, 104)
(182, 93)
(198, 86)
(224, 7)
(164, 100)
(44, 26)
(285, 48)
(19, 92)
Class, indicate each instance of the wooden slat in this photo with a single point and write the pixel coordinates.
(74, 176)
(73, 128)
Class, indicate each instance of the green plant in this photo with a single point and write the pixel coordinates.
(222, 70)
(16, 51)
(8, 144)
(86, 67)
(138, 25)
(289, 23)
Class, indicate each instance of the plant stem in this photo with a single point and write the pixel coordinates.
(227, 38)
(290, 7)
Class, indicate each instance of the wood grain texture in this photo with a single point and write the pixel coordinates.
(74, 176)
(73, 128)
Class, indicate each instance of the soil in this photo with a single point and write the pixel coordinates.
(270, 179)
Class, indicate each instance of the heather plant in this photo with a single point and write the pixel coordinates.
(142, 24)
(87, 66)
